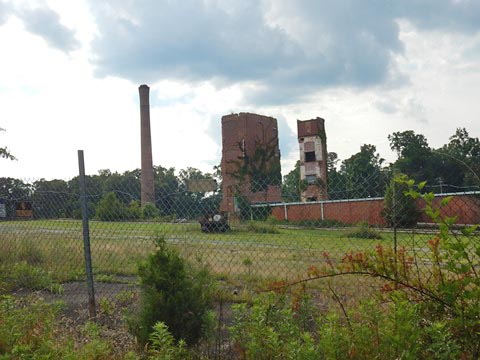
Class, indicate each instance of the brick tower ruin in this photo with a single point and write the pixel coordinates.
(146, 178)
(250, 161)
(312, 140)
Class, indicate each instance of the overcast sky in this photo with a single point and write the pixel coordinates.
(70, 71)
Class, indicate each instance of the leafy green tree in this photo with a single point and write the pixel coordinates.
(363, 173)
(149, 211)
(291, 185)
(400, 210)
(166, 189)
(111, 209)
(12, 190)
(134, 210)
(126, 185)
(93, 188)
(336, 180)
(461, 161)
(52, 199)
(414, 155)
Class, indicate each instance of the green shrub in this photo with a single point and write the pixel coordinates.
(111, 209)
(134, 211)
(27, 328)
(163, 345)
(364, 231)
(22, 275)
(172, 292)
(400, 210)
(280, 327)
(271, 219)
(271, 329)
(150, 211)
(445, 291)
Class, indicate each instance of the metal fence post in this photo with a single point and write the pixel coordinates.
(86, 236)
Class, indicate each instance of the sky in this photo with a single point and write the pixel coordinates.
(70, 71)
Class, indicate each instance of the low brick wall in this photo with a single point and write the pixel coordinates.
(465, 206)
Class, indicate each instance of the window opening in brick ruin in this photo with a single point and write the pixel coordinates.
(310, 156)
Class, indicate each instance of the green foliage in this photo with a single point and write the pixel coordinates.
(150, 211)
(271, 219)
(261, 213)
(111, 209)
(94, 347)
(445, 291)
(51, 199)
(400, 209)
(363, 173)
(173, 292)
(163, 345)
(247, 262)
(29, 330)
(107, 307)
(244, 207)
(26, 328)
(364, 231)
(291, 190)
(22, 275)
(461, 159)
(134, 211)
(373, 331)
(271, 329)
(414, 154)
(280, 326)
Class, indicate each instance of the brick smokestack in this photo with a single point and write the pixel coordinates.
(146, 180)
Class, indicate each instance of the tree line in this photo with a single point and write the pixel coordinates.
(454, 167)
(113, 195)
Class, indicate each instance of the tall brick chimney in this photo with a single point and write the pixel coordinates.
(146, 180)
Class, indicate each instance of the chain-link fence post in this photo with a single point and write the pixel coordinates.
(86, 236)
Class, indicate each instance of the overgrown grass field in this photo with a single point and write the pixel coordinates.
(252, 251)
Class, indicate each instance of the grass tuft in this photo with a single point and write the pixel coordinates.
(364, 231)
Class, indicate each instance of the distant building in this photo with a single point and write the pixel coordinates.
(312, 141)
(250, 161)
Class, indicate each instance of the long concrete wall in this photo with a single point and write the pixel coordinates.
(465, 206)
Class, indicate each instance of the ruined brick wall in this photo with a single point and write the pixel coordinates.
(244, 136)
(465, 207)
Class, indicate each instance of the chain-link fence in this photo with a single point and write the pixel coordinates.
(247, 242)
